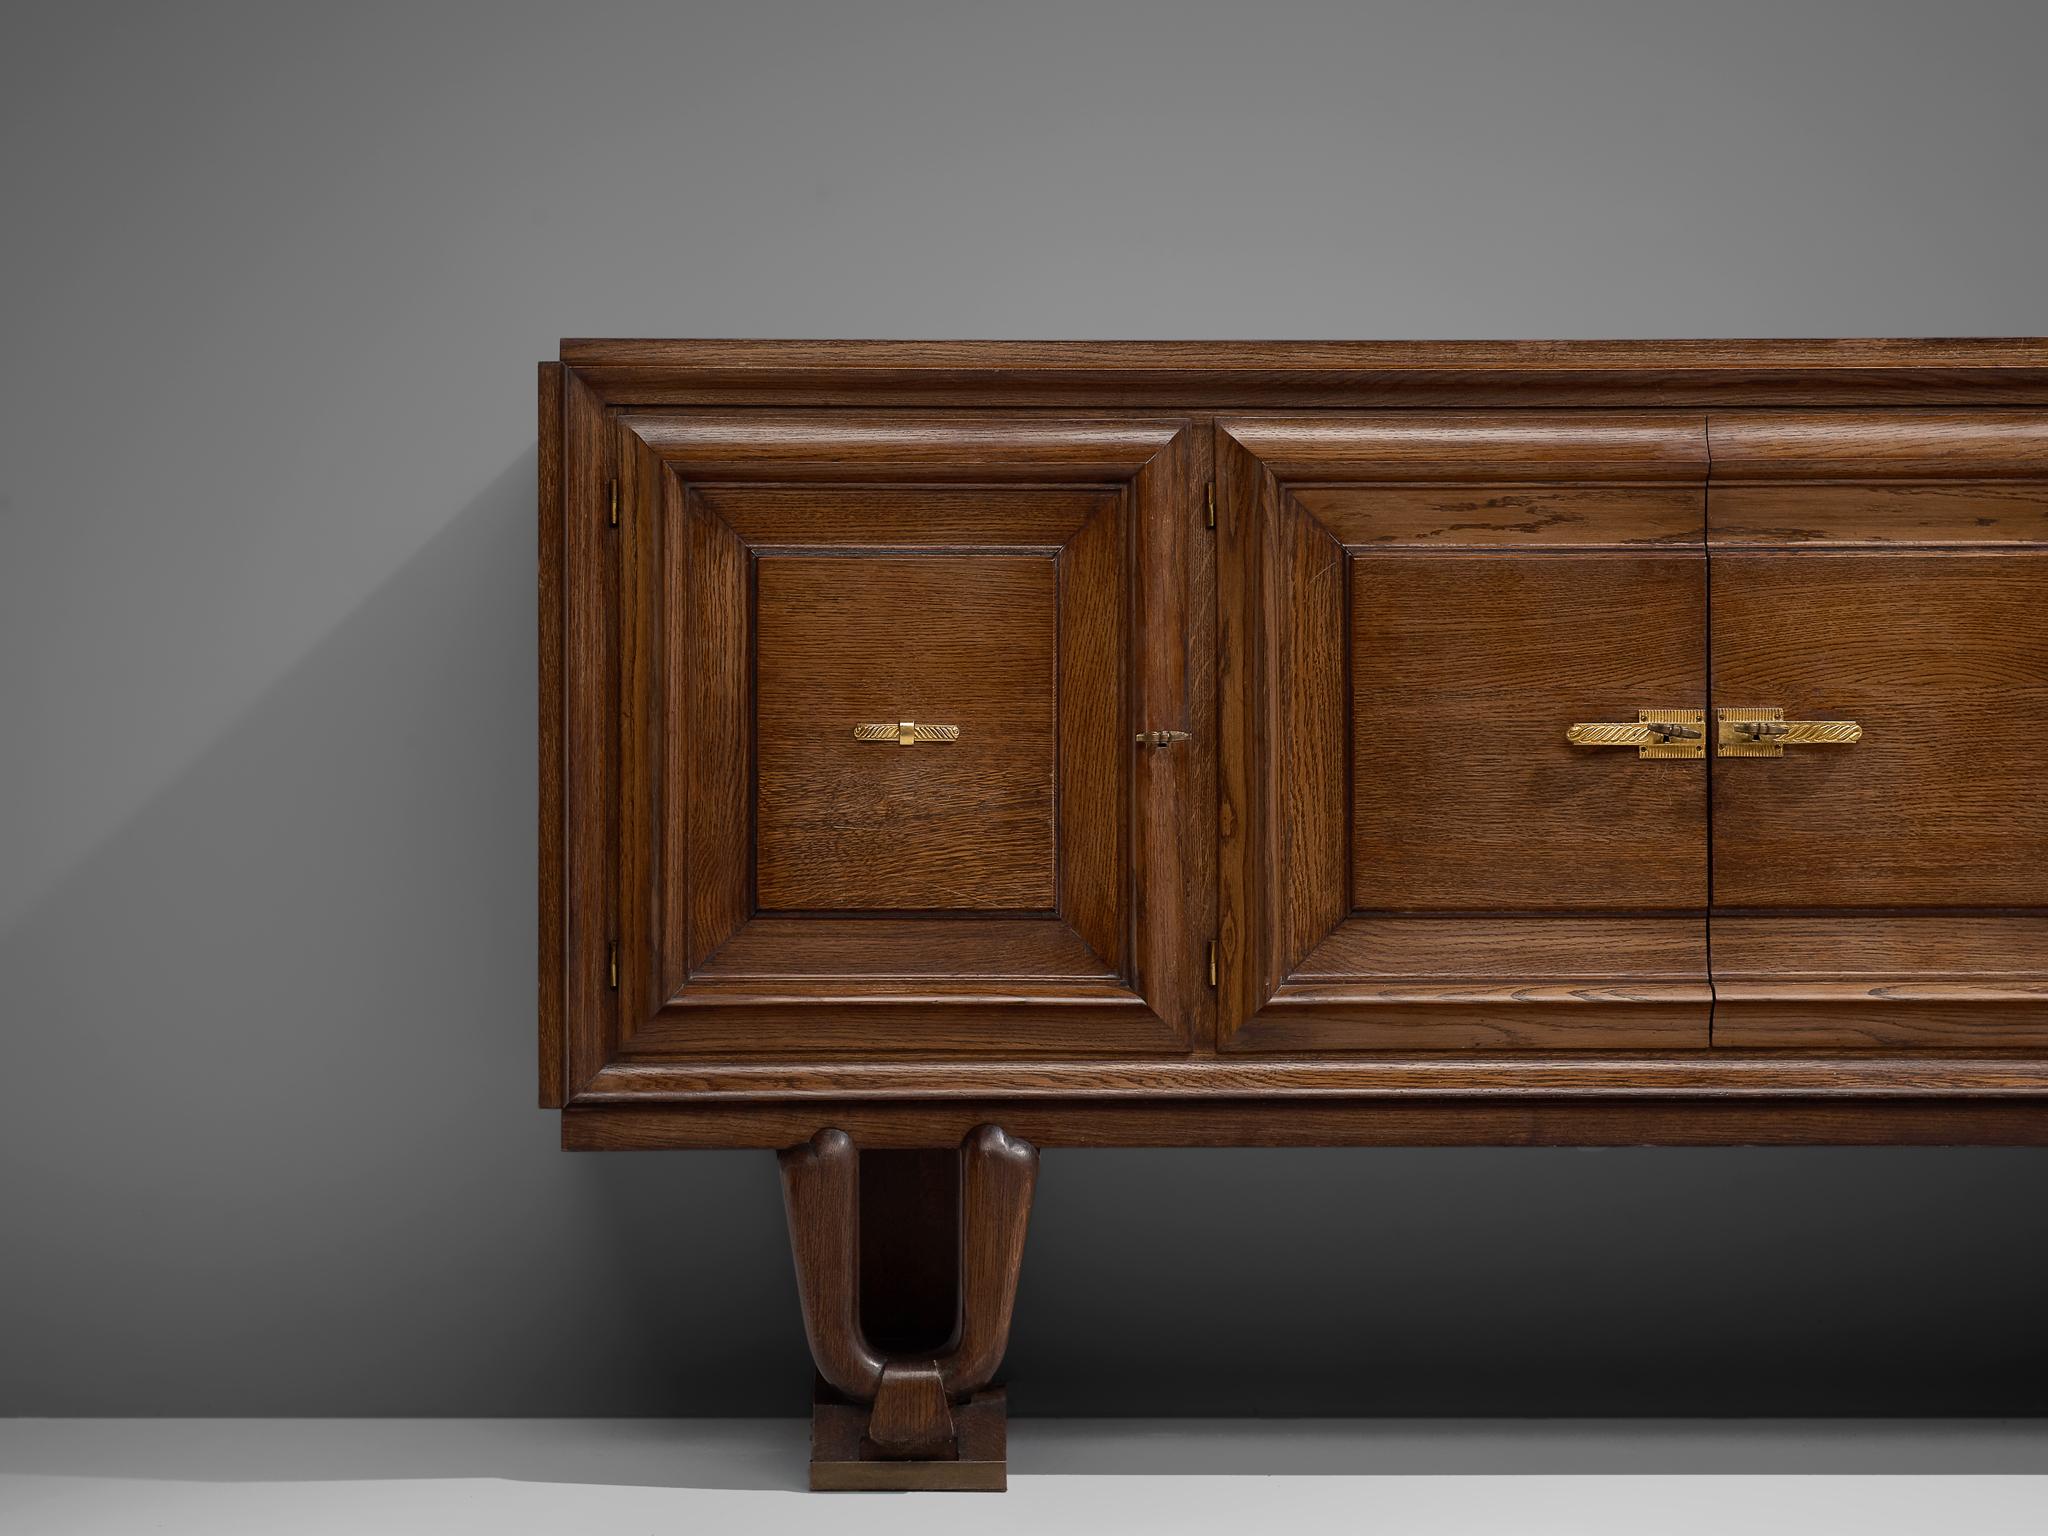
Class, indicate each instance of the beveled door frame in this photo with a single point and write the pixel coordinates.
(1154, 1002)
(1291, 940)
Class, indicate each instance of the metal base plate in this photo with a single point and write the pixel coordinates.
(1732, 744)
(1695, 746)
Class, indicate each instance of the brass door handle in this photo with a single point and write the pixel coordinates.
(906, 733)
(1767, 733)
(1160, 738)
(1661, 733)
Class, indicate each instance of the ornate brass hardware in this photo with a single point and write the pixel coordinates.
(1160, 738)
(1661, 733)
(1767, 733)
(906, 733)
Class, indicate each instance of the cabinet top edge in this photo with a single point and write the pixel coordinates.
(1312, 357)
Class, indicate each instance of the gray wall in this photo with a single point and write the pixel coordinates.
(275, 285)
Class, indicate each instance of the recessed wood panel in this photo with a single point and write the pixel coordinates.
(1306, 725)
(1093, 764)
(789, 891)
(967, 641)
(1427, 604)
(712, 679)
(1942, 658)
(1466, 673)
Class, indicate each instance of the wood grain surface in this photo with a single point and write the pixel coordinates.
(964, 825)
(787, 576)
(1215, 1119)
(1859, 523)
(1341, 374)
(1395, 739)
(1844, 982)
(1261, 827)
(1466, 672)
(1942, 658)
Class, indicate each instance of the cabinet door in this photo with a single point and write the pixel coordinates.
(1888, 569)
(1417, 609)
(880, 680)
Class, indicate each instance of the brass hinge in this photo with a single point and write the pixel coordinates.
(615, 965)
(1212, 503)
(1212, 965)
(615, 501)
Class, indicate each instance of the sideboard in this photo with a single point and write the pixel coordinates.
(954, 749)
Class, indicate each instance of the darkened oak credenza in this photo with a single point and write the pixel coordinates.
(954, 749)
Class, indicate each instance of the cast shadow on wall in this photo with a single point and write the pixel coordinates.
(274, 1147)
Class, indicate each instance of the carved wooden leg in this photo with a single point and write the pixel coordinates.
(906, 1263)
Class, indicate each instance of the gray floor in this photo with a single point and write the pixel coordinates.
(1586, 1477)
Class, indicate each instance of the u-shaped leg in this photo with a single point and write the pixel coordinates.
(923, 1418)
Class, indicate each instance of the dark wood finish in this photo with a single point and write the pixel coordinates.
(1890, 568)
(821, 1187)
(1826, 1116)
(977, 950)
(1346, 374)
(1488, 453)
(907, 1392)
(1405, 983)
(997, 1176)
(1465, 672)
(1763, 452)
(1423, 604)
(1943, 660)
(552, 1004)
(1850, 981)
(1926, 450)
(967, 826)
(910, 1419)
(1359, 591)
(590, 598)
(1531, 1074)
(1505, 516)
(793, 575)
(821, 1193)
(842, 1459)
